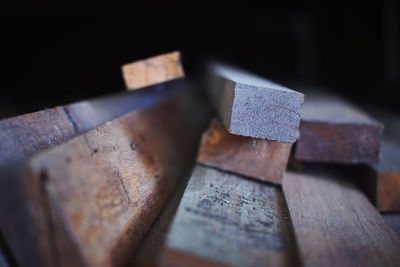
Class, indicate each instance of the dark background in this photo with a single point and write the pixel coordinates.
(53, 54)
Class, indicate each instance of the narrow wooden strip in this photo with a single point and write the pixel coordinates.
(224, 219)
(252, 106)
(335, 224)
(382, 180)
(153, 70)
(100, 191)
(333, 130)
(257, 158)
(28, 134)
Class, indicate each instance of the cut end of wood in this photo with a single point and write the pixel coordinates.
(256, 158)
(255, 107)
(153, 70)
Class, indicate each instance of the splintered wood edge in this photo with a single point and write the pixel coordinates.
(153, 70)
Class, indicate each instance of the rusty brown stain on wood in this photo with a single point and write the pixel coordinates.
(104, 188)
(153, 70)
(333, 130)
(335, 224)
(257, 158)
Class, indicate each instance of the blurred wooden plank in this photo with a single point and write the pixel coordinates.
(90, 200)
(382, 180)
(393, 219)
(224, 219)
(252, 106)
(28, 134)
(333, 130)
(257, 158)
(335, 224)
(153, 70)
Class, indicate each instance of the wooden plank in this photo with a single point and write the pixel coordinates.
(153, 70)
(90, 200)
(393, 219)
(149, 251)
(28, 134)
(382, 180)
(257, 158)
(252, 106)
(335, 224)
(333, 130)
(224, 219)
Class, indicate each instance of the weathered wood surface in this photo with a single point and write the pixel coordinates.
(149, 251)
(153, 70)
(28, 134)
(382, 180)
(335, 224)
(257, 158)
(224, 219)
(333, 130)
(89, 201)
(252, 106)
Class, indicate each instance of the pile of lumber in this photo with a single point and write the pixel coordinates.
(235, 171)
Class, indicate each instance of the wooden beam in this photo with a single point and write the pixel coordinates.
(89, 201)
(333, 130)
(153, 70)
(382, 180)
(256, 107)
(28, 134)
(149, 251)
(257, 158)
(335, 224)
(224, 219)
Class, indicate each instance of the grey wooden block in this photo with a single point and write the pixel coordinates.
(253, 106)
(225, 219)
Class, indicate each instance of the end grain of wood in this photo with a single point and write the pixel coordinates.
(249, 105)
(152, 70)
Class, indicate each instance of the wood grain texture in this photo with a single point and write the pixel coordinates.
(149, 251)
(152, 70)
(382, 180)
(28, 134)
(224, 219)
(335, 224)
(96, 195)
(256, 107)
(257, 158)
(333, 130)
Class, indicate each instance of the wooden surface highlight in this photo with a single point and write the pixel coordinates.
(257, 158)
(89, 201)
(333, 130)
(25, 135)
(152, 70)
(252, 106)
(335, 224)
(224, 219)
(382, 180)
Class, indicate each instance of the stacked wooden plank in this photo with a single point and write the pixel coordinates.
(117, 181)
